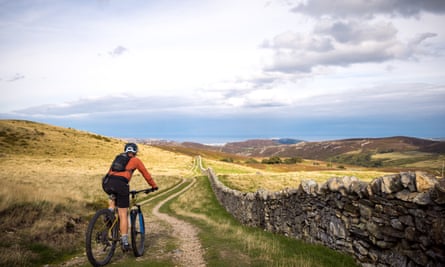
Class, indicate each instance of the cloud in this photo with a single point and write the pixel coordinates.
(368, 9)
(16, 77)
(342, 43)
(109, 105)
(399, 100)
(119, 50)
(357, 32)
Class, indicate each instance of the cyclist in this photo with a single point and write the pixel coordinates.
(117, 185)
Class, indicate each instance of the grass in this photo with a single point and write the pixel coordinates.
(414, 160)
(50, 177)
(250, 179)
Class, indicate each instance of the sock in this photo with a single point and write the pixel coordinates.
(124, 239)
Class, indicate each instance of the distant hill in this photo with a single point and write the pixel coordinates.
(325, 149)
(391, 153)
(322, 150)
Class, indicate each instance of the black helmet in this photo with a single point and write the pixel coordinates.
(131, 147)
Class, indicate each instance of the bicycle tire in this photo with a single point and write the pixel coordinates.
(99, 245)
(137, 232)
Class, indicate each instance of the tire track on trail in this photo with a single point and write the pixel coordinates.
(190, 250)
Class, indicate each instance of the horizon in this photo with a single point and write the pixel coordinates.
(192, 69)
(221, 140)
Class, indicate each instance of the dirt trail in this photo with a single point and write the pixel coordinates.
(190, 251)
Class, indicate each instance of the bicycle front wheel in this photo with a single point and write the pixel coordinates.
(100, 242)
(137, 233)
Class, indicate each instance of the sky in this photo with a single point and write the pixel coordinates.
(216, 71)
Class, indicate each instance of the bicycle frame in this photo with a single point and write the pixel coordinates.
(101, 238)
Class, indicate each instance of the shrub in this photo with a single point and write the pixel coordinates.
(272, 160)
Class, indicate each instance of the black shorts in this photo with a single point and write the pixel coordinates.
(118, 186)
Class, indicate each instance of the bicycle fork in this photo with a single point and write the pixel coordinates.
(133, 215)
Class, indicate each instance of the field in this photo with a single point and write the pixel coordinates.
(50, 187)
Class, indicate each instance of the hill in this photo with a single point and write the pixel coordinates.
(50, 183)
(397, 153)
(325, 149)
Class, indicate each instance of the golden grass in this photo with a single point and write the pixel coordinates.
(250, 179)
(50, 175)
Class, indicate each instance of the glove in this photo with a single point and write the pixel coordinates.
(154, 188)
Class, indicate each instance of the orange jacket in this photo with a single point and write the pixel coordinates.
(133, 164)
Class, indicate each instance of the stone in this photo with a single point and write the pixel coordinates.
(417, 256)
(365, 211)
(438, 230)
(358, 246)
(347, 182)
(406, 220)
(337, 228)
(438, 193)
(358, 187)
(425, 181)
(334, 184)
(405, 195)
(310, 187)
(397, 224)
(391, 184)
(384, 244)
(374, 187)
(374, 230)
(422, 198)
(408, 180)
(410, 233)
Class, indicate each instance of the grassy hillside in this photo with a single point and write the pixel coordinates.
(50, 185)
(50, 182)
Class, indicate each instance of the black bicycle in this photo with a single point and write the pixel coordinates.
(102, 234)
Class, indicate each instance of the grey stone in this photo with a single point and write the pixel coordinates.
(391, 184)
(408, 180)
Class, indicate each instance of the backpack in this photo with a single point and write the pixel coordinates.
(120, 162)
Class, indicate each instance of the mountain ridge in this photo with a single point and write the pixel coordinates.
(319, 150)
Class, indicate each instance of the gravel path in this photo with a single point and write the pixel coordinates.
(190, 252)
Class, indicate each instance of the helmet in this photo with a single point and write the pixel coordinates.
(131, 147)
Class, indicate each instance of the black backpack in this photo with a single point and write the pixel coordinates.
(120, 162)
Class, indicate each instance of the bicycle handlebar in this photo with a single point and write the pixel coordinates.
(133, 193)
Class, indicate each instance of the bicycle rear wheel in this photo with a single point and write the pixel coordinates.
(99, 244)
(137, 232)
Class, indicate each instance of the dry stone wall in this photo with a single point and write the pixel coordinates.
(395, 220)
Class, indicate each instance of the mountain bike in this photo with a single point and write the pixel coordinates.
(103, 235)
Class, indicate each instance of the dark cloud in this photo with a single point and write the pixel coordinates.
(366, 8)
(357, 31)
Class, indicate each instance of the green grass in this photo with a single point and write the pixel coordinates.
(228, 243)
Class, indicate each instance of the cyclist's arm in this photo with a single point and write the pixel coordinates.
(141, 168)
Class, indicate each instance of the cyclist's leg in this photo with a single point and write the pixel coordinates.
(122, 203)
(123, 216)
